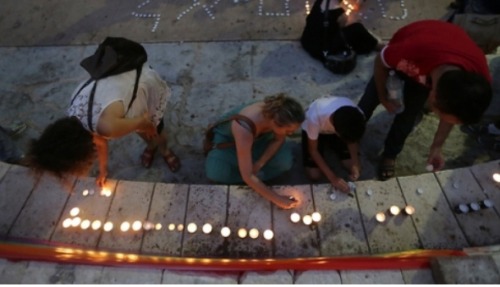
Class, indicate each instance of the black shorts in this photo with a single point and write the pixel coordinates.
(324, 141)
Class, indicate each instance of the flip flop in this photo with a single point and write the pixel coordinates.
(147, 157)
(386, 170)
(172, 161)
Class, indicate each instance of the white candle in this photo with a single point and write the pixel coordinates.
(307, 219)
(148, 225)
(268, 234)
(295, 217)
(253, 233)
(225, 231)
(76, 221)
(108, 226)
(125, 226)
(409, 210)
(96, 224)
(85, 224)
(158, 226)
(380, 217)
(85, 192)
(394, 210)
(171, 227)
(207, 228)
(74, 211)
(316, 217)
(137, 225)
(180, 227)
(496, 177)
(67, 222)
(242, 232)
(429, 167)
(191, 228)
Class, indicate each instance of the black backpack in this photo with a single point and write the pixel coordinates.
(114, 56)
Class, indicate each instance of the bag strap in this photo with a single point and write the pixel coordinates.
(237, 118)
(92, 93)
(326, 25)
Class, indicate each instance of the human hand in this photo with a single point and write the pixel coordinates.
(286, 202)
(146, 127)
(340, 184)
(391, 107)
(101, 178)
(355, 171)
(436, 159)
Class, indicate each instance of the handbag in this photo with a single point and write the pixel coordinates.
(483, 29)
(208, 141)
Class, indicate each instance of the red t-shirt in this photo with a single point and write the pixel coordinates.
(420, 47)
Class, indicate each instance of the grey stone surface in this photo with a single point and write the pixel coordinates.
(481, 227)
(435, 222)
(397, 233)
(48, 273)
(267, 277)
(41, 212)
(192, 277)
(85, 274)
(13, 195)
(132, 275)
(341, 229)
(483, 173)
(131, 201)
(317, 277)
(247, 210)
(168, 206)
(3, 169)
(12, 272)
(465, 270)
(372, 277)
(418, 276)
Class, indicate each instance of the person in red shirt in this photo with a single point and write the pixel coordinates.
(438, 62)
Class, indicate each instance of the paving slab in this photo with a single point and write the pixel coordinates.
(12, 272)
(247, 209)
(295, 239)
(48, 273)
(396, 233)
(265, 277)
(465, 270)
(419, 276)
(168, 206)
(460, 186)
(192, 277)
(42, 210)
(85, 274)
(317, 277)
(4, 167)
(435, 222)
(14, 195)
(341, 228)
(372, 277)
(93, 206)
(207, 204)
(483, 173)
(131, 202)
(132, 275)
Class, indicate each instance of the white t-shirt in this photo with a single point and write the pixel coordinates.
(152, 96)
(318, 115)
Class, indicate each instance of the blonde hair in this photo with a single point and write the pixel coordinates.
(283, 110)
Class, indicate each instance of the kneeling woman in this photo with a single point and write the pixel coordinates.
(260, 152)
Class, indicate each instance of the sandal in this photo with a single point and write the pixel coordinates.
(387, 169)
(147, 157)
(172, 161)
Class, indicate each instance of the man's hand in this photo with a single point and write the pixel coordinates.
(286, 202)
(340, 184)
(146, 127)
(101, 179)
(355, 171)
(436, 159)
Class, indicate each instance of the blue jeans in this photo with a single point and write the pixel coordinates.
(415, 96)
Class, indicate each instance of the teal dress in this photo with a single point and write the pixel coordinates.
(221, 165)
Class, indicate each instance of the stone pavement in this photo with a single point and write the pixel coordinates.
(208, 78)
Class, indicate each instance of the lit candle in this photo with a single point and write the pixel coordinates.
(96, 224)
(380, 217)
(137, 225)
(242, 232)
(106, 192)
(171, 227)
(85, 192)
(74, 211)
(85, 224)
(295, 217)
(67, 222)
(316, 217)
(268, 234)
(148, 225)
(125, 226)
(180, 227)
(409, 210)
(191, 228)
(76, 221)
(158, 226)
(225, 231)
(307, 219)
(394, 210)
(207, 228)
(108, 226)
(253, 233)
(496, 177)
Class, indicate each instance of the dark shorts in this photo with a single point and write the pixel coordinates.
(324, 140)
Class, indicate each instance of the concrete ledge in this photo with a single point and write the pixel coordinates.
(465, 270)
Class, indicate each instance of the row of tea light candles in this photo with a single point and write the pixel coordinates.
(395, 210)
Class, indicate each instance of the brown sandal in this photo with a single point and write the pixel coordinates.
(147, 157)
(172, 161)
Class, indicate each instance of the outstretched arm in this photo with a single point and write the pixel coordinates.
(102, 156)
(244, 141)
(435, 155)
(337, 182)
(356, 164)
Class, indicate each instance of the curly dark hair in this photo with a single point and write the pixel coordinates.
(283, 110)
(465, 95)
(349, 123)
(64, 148)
